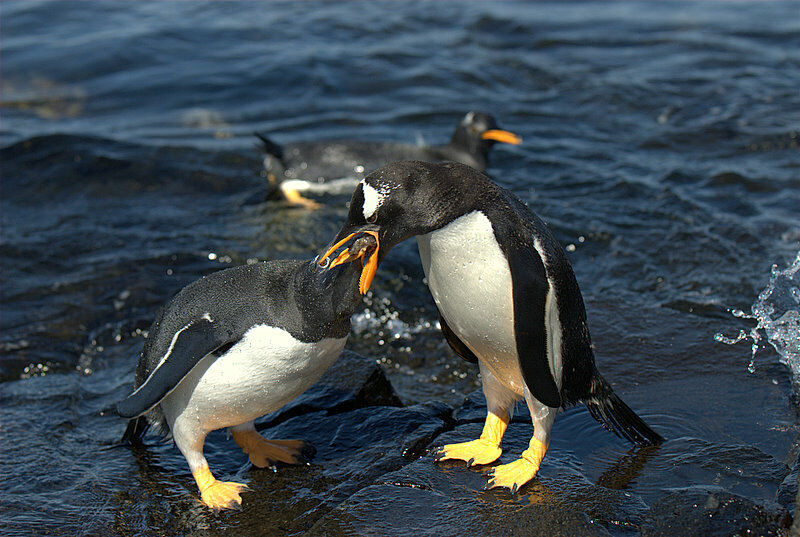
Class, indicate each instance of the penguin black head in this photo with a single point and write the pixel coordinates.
(408, 198)
(478, 132)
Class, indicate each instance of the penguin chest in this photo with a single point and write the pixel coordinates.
(469, 278)
(265, 370)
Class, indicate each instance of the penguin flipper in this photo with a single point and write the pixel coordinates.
(456, 344)
(189, 346)
(530, 288)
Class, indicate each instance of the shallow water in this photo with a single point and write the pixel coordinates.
(660, 143)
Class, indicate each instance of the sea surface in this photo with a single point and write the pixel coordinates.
(660, 144)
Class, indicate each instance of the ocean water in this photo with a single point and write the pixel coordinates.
(660, 144)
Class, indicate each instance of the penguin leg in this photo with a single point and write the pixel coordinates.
(522, 470)
(485, 449)
(265, 452)
(215, 494)
(294, 197)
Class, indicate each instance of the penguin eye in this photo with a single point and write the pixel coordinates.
(371, 219)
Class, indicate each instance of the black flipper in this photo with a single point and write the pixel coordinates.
(607, 408)
(530, 287)
(455, 343)
(189, 347)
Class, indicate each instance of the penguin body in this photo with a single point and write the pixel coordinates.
(235, 345)
(507, 297)
(335, 166)
(464, 254)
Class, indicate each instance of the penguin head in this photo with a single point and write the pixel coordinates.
(408, 198)
(477, 132)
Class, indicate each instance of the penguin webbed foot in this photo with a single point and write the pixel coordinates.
(268, 453)
(515, 474)
(512, 476)
(223, 495)
(474, 452)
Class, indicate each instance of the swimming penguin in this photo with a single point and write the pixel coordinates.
(240, 343)
(507, 299)
(334, 166)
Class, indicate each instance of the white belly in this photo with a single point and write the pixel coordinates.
(470, 281)
(264, 371)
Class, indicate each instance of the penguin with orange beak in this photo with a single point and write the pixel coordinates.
(240, 343)
(507, 298)
(333, 166)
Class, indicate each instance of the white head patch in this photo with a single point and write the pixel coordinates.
(373, 199)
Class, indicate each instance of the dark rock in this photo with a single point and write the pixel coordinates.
(402, 510)
(427, 498)
(713, 513)
(353, 450)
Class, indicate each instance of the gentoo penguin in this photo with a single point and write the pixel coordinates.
(240, 343)
(334, 166)
(507, 299)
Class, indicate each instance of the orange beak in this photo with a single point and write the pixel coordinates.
(370, 265)
(502, 136)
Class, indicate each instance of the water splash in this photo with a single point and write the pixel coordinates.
(379, 319)
(777, 313)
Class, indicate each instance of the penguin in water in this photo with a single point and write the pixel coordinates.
(334, 166)
(238, 344)
(507, 299)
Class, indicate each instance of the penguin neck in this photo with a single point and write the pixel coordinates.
(334, 293)
(475, 147)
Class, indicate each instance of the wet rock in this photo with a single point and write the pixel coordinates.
(353, 450)
(398, 510)
(787, 492)
(713, 513)
(428, 498)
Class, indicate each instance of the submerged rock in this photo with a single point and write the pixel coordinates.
(713, 513)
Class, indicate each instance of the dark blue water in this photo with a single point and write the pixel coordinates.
(660, 143)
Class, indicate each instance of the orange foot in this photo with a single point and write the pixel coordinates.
(519, 472)
(480, 451)
(223, 495)
(217, 494)
(265, 452)
(295, 198)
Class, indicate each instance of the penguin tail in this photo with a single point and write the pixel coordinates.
(269, 147)
(607, 408)
(135, 430)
